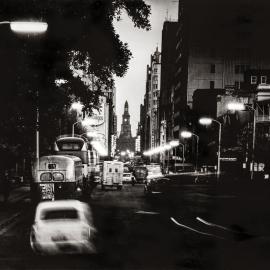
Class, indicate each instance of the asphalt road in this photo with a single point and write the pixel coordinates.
(199, 227)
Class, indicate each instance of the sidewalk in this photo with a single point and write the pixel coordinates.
(17, 193)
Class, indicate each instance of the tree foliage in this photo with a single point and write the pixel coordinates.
(81, 35)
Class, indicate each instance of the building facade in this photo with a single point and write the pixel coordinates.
(151, 102)
(216, 44)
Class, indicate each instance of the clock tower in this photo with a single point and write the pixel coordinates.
(125, 127)
(125, 141)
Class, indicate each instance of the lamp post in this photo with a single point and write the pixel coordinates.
(208, 121)
(188, 134)
(237, 106)
(30, 27)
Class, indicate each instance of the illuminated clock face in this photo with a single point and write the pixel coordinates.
(125, 120)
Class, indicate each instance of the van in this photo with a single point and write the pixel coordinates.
(112, 175)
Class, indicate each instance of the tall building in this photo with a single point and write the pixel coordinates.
(217, 42)
(166, 103)
(151, 124)
(126, 142)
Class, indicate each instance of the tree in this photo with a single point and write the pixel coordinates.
(80, 35)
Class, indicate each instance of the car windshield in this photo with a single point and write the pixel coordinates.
(59, 214)
(127, 174)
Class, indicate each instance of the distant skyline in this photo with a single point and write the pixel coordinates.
(142, 44)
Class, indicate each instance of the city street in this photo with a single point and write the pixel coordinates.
(203, 227)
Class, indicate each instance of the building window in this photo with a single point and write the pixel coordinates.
(212, 84)
(253, 79)
(212, 68)
(155, 70)
(263, 79)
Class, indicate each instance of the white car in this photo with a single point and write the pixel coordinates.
(63, 226)
(129, 178)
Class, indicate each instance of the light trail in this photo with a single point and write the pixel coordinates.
(194, 230)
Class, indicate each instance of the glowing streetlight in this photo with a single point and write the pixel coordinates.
(77, 106)
(208, 121)
(84, 122)
(174, 143)
(28, 27)
(187, 135)
(237, 106)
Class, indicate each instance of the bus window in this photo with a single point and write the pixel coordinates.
(58, 176)
(46, 176)
(65, 146)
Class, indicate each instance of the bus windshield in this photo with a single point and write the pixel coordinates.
(69, 146)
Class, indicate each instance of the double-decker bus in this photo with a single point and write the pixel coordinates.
(80, 147)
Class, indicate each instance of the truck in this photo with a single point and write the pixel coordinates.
(112, 174)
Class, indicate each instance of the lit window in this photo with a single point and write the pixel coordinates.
(253, 79)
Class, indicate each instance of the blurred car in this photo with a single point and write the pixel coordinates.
(153, 171)
(140, 173)
(63, 226)
(129, 178)
(156, 186)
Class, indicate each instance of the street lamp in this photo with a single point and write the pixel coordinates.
(187, 135)
(208, 121)
(30, 27)
(237, 106)
(27, 27)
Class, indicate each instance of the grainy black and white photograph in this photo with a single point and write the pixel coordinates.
(134, 134)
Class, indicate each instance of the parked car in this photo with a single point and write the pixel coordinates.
(63, 226)
(129, 178)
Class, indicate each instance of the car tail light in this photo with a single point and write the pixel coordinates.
(86, 232)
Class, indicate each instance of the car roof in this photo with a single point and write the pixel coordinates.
(61, 204)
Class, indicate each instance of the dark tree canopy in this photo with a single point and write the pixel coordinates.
(80, 32)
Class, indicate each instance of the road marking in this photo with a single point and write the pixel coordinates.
(147, 213)
(214, 225)
(215, 196)
(194, 230)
